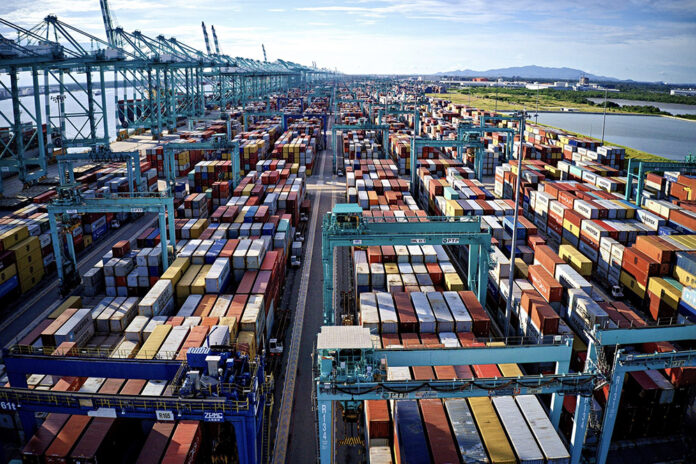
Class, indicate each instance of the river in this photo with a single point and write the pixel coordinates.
(668, 137)
(72, 106)
(672, 108)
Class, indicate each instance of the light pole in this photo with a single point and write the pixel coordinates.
(604, 119)
(536, 116)
(59, 100)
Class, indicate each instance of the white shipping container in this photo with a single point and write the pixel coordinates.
(170, 346)
(157, 299)
(462, 318)
(134, 331)
(387, 313)
(217, 276)
(369, 314)
(122, 316)
(518, 432)
(189, 307)
(79, 328)
(426, 319)
(445, 321)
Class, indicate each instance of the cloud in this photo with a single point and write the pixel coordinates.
(636, 39)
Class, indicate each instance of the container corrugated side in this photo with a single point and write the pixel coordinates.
(471, 447)
(517, 430)
(546, 436)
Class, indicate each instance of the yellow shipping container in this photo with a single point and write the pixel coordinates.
(13, 237)
(183, 288)
(667, 293)
(25, 271)
(629, 282)
(70, 302)
(510, 370)
(198, 284)
(25, 247)
(684, 277)
(452, 208)
(682, 239)
(391, 268)
(231, 322)
(453, 283)
(8, 273)
(630, 209)
(27, 283)
(491, 430)
(573, 229)
(176, 270)
(521, 269)
(690, 241)
(154, 342)
(246, 342)
(576, 259)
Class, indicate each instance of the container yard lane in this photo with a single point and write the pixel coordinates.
(296, 431)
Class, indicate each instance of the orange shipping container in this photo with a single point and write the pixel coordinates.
(549, 288)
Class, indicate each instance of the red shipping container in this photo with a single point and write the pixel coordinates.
(156, 443)
(430, 340)
(377, 417)
(247, 283)
(485, 371)
(422, 373)
(185, 443)
(390, 340)
(121, 249)
(59, 451)
(39, 443)
(547, 258)
(480, 321)
(408, 322)
(548, 287)
(205, 305)
(442, 445)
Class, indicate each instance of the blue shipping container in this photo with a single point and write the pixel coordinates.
(413, 445)
(8, 285)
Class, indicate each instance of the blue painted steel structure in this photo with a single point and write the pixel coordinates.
(70, 202)
(345, 226)
(242, 408)
(624, 362)
(383, 128)
(351, 371)
(156, 82)
(637, 169)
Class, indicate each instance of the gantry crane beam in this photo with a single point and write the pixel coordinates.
(228, 402)
(383, 128)
(351, 370)
(71, 202)
(637, 169)
(346, 226)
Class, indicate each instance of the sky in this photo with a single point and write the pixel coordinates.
(646, 40)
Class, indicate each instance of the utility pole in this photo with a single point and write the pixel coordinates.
(513, 252)
(604, 119)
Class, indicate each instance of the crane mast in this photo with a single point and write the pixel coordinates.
(264, 53)
(217, 47)
(108, 22)
(205, 36)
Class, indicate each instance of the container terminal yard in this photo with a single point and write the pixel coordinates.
(272, 262)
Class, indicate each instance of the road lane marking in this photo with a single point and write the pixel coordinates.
(284, 417)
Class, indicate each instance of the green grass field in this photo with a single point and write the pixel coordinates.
(507, 102)
(489, 104)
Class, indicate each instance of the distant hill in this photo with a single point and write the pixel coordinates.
(528, 72)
